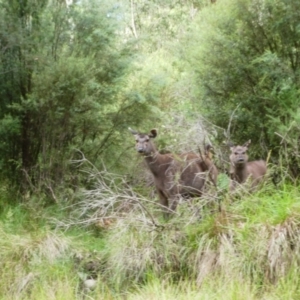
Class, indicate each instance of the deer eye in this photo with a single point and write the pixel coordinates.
(147, 140)
(236, 153)
(244, 152)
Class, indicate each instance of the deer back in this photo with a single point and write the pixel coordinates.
(257, 169)
(191, 173)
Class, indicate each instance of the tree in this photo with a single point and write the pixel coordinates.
(63, 76)
(245, 58)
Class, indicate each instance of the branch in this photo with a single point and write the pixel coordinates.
(132, 20)
(227, 133)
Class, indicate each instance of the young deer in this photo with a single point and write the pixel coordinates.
(174, 175)
(241, 169)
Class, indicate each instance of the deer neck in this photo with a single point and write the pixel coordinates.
(240, 172)
(156, 162)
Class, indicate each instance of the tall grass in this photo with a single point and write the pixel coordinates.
(248, 250)
(253, 239)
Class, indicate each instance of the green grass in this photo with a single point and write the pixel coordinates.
(272, 207)
(249, 250)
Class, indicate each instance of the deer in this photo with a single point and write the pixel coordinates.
(175, 175)
(242, 170)
(207, 165)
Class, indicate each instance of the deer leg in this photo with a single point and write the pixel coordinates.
(175, 198)
(163, 200)
(174, 203)
(176, 191)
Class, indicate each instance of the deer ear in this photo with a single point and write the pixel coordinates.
(208, 147)
(153, 133)
(132, 131)
(247, 144)
(209, 150)
(230, 145)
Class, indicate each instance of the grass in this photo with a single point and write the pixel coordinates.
(230, 289)
(249, 250)
(215, 288)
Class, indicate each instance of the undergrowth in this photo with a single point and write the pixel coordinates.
(248, 248)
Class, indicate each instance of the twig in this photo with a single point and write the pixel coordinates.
(227, 133)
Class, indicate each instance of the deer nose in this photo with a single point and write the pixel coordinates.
(140, 150)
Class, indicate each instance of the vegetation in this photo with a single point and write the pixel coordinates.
(246, 59)
(79, 218)
(248, 250)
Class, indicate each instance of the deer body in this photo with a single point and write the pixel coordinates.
(207, 165)
(241, 169)
(174, 175)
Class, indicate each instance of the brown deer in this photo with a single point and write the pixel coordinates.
(207, 164)
(241, 169)
(174, 175)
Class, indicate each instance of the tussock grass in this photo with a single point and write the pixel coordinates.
(28, 259)
(247, 250)
(253, 239)
(227, 288)
(136, 251)
(33, 249)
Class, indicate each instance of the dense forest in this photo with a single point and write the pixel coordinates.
(79, 215)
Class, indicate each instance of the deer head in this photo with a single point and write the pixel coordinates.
(143, 141)
(239, 154)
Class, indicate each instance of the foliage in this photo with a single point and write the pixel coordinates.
(73, 80)
(245, 58)
(63, 76)
(150, 21)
